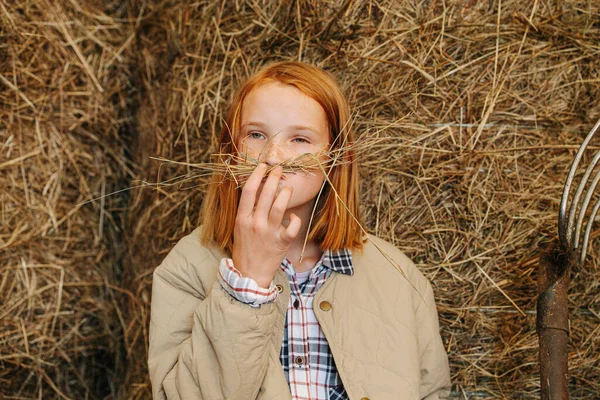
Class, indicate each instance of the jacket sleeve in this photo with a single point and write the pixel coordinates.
(204, 344)
(435, 372)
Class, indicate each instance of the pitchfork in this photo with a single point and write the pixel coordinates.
(555, 275)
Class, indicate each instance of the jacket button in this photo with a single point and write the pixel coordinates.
(325, 306)
(279, 288)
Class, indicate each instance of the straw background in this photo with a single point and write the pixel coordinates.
(62, 70)
(483, 105)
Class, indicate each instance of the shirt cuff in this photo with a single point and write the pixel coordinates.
(244, 289)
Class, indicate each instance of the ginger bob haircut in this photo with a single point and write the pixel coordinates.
(332, 226)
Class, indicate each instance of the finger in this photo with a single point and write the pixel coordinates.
(267, 195)
(290, 233)
(248, 197)
(280, 205)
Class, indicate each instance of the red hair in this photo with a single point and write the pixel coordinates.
(333, 226)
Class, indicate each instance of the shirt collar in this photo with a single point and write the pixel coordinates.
(339, 261)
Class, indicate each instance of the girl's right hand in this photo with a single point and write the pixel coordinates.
(260, 241)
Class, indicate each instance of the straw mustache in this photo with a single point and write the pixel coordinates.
(239, 167)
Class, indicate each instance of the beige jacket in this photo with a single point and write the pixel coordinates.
(382, 330)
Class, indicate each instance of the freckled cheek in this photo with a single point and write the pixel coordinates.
(305, 182)
(252, 150)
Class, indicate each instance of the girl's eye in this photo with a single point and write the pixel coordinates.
(255, 135)
(300, 140)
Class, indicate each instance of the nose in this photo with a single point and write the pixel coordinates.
(272, 154)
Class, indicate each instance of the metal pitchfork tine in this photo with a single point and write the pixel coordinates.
(554, 277)
(565, 227)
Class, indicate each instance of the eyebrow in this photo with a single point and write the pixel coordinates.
(295, 127)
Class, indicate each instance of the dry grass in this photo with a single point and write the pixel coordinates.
(483, 106)
(61, 72)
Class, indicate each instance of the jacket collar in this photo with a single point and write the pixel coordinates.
(339, 261)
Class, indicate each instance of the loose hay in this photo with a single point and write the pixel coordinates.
(61, 74)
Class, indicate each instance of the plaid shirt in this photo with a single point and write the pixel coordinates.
(303, 338)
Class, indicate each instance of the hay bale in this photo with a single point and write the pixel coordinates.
(483, 105)
(61, 77)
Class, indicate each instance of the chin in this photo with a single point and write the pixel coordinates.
(302, 204)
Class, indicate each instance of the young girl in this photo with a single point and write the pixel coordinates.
(266, 300)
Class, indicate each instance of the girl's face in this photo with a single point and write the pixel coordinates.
(280, 123)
